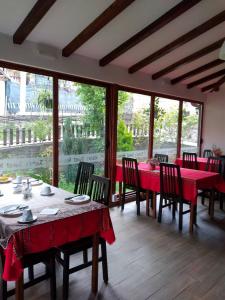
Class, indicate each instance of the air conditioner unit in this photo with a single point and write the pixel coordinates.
(222, 52)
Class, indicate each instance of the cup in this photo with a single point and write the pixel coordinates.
(46, 190)
(18, 179)
(27, 215)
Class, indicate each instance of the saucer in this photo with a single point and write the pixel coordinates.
(20, 221)
(14, 181)
(49, 194)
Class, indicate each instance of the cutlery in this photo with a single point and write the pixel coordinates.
(20, 207)
(71, 197)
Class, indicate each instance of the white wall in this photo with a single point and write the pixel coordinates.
(214, 120)
(35, 55)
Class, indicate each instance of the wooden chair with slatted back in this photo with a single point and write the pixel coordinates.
(190, 160)
(131, 181)
(98, 191)
(207, 153)
(216, 165)
(161, 157)
(171, 191)
(47, 258)
(84, 172)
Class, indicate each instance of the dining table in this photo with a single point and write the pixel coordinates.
(201, 161)
(192, 182)
(72, 222)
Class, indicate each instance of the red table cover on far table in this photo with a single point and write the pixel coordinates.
(202, 161)
(193, 180)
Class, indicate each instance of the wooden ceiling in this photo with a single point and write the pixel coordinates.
(199, 76)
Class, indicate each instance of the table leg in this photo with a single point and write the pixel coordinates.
(120, 192)
(19, 288)
(192, 217)
(147, 202)
(95, 251)
(154, 204)
(211, 204)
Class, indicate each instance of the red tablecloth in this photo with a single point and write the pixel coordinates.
(193, 180)
(202, 161)
(54, 234)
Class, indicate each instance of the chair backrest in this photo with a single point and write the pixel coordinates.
(130, 172)
(170, 181)
(190, 160)
(161, 157)
(207, 153)
(99, 189)
(85, 170)
(216, 164)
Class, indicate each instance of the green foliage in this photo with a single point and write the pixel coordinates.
(41, 128)
(45, 99)
(124, 138)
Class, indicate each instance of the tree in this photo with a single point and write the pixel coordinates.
(124, 138)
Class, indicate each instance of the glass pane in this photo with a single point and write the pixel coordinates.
(133, 125)
(190, 127)
(166, 127)
(81, 129)
(26, 124)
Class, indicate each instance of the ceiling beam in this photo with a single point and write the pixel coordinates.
(32, 19)
(189, 59)
(104, 18)
(214, 86)
(197, 31)
(162, 21)
(206, 78)
(198, 70)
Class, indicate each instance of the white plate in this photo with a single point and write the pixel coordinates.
(14, 181)
(20, 221)
(82, 199)
(13, 213)
(50, 194)
(36, 183)
(7, 181)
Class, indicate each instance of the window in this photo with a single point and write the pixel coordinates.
(190, 127)
(165, 127)
(26, 124)
(81, 129)
(133, 125)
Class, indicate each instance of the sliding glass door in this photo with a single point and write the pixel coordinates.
(81, 129)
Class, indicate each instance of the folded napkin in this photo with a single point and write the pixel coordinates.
(49, 211)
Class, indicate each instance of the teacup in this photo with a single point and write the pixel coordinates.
(46, 190)
(17, 188)
(27, 215)
(18, 179)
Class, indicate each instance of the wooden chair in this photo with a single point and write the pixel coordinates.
(85, 170)
(207, 153)
(171, 190)
(216, 165)
(46, 257)
(161, 157)
(189, 160)
(99, 192)
(131, 181)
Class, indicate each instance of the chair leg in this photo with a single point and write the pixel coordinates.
(203, 200)
(181, 216)
(160, 209)
(31, 273)
(221, 201)
(104, 261)
(123, 197)
(3, 289)
(66, 264)
(174, 209)
(52, 274)
(85, 256)
(195, 215)
(138, 202)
